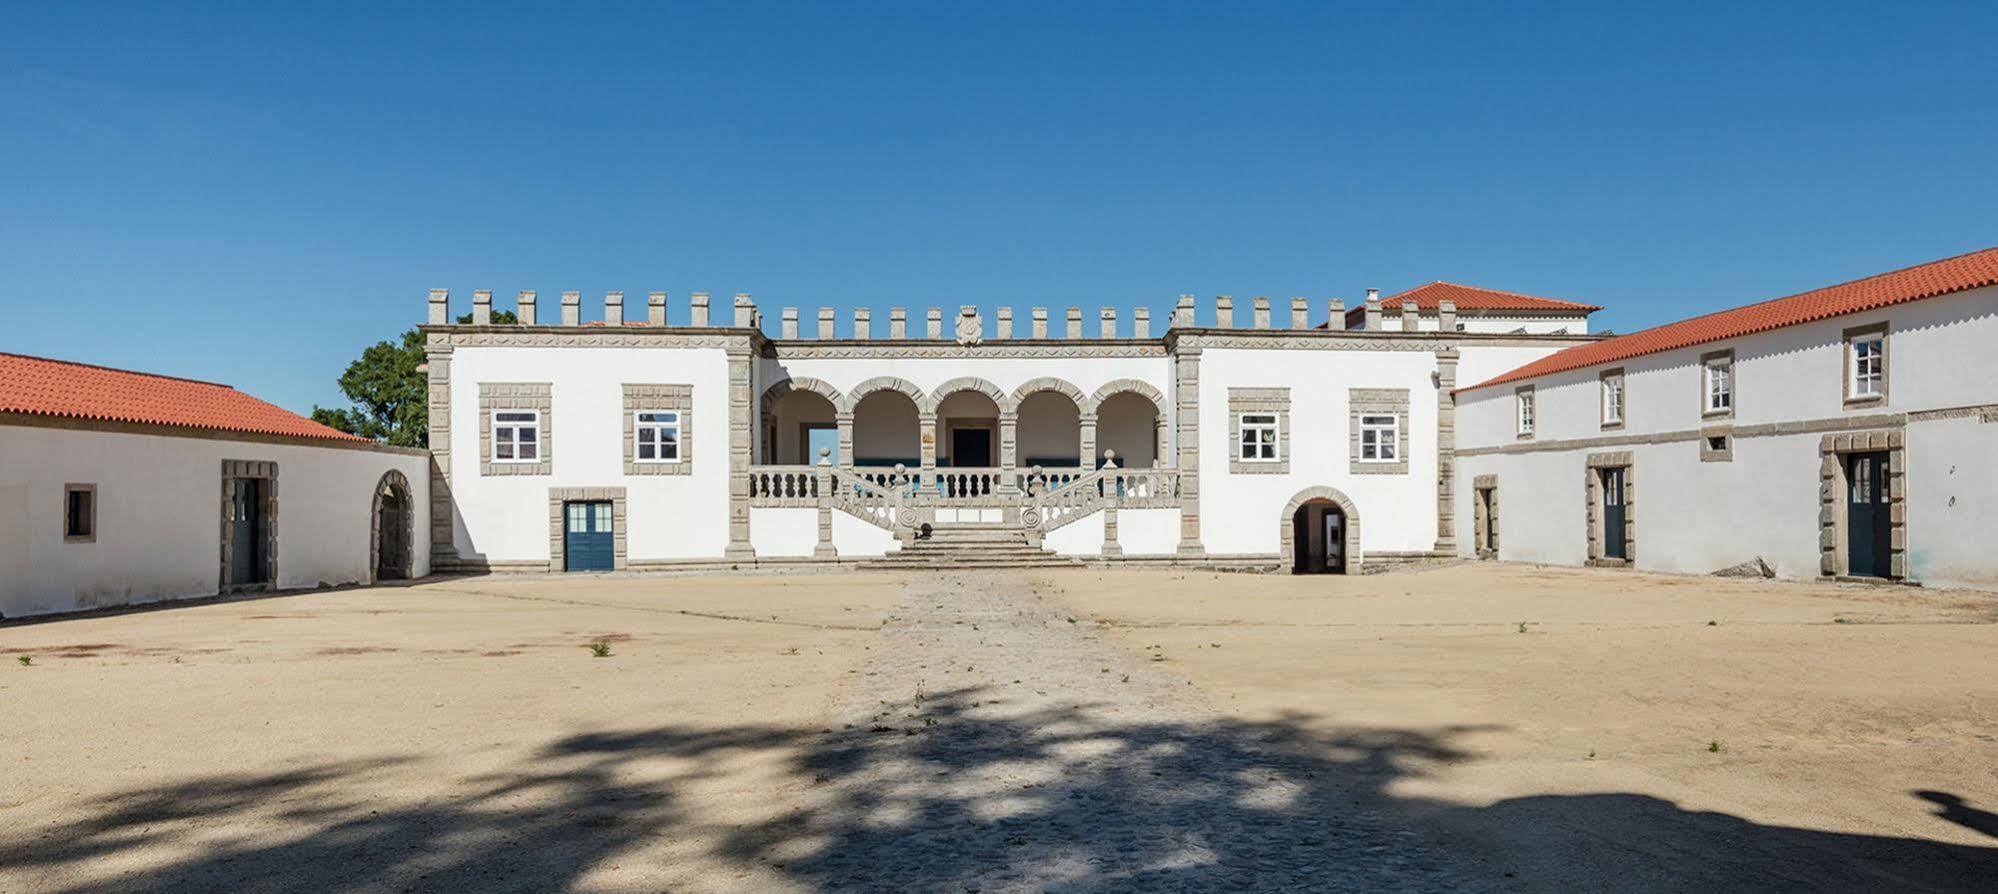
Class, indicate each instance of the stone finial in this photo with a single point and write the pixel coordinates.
(1040, 324)
(1446, 315)
(697, 309)
(933, 322)
(1141, 322)
(826, 323)
(1075, 322)
(1109, 318)
(898, 322)
(482, 307)
(1261, 313)
(1300, 313)
(1182, 313)
(1373, 310)
(440, 307)
(1411, 316)
(1224, 312)
(788, 327)
(655, 309)
(1337, 310)
(613, 308)
(863, 322)
(572, 308)
(1005, 324)
(745, 311)
(524, 307)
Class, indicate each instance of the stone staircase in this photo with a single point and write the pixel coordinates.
(961, 546)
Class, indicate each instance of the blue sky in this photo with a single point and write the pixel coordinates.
(251, 193)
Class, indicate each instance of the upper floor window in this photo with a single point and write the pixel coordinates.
(1866, 364)
(516, 436)
(1380, 439)
(657, 436)
(1717, 372)
(1525, 410)
(1259, 437)
(1612, 398)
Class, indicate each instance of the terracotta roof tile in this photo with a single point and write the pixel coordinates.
(1473, 298)
(1936, 278)
(42, 387)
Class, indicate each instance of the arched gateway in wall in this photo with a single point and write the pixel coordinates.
(1308, 519)
(391, 528)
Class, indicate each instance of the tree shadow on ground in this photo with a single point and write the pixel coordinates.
(957, 794)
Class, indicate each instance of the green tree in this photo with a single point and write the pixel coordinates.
(388, 391)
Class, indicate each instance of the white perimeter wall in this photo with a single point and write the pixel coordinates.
(502, 518)
(1699, 517)
(159, 516)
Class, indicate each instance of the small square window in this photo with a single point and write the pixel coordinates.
(657, 436)
(79, 515)
(516, 436)
(1259, 437)
(1379, 439)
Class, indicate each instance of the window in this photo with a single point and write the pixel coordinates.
(1259, 437)
(1869, 368)
(1525, 408)
(658, 436)
(1379, 439)
(1717, 384)
(79, 513)
(1613, 399)
(516, 436)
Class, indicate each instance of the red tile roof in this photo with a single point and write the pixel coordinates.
(1936, 278)
(42, 387)
(1427, 297)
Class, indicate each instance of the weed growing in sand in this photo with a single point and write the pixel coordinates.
(1713, 747)
(1522, 626)
(600, 648)
(26, 660)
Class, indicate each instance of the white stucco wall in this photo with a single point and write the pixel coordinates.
(1500, 325)
(159, 525)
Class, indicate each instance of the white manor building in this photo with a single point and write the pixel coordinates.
(1847, 432)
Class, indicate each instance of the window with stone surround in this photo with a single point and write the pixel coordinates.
(1612, 403)
(515, 428)
(1260, 435)
(658, 429)
(1717, 384)
(1523, 407)
(1866, 365)
(1379, 431)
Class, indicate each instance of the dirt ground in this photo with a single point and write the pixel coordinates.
(1546, 728)
(1603, 729)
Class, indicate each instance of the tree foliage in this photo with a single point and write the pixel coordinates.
(388, 389)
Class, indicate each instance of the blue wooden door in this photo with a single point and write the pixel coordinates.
(1868, 515)
(1614, 514)
(589, 543)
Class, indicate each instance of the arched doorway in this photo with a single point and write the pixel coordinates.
(1321, 532)
(391, 522)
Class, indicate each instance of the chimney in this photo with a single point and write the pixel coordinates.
(572, 308)
(1075, 322)
(1373, 310)
(440, 306)
(655, 309)
(524, 311)
(613, 308)
(482, 307)
(863, 323)
(1182, 313)
(933, 322)
(898, 322)
(826, 323)
(697, 309)
(1446, 316)
(1141, 322)
(1261, 314)
(745, 311)
(788, 327)
(1005, 322)
(1224, 312)
(1109, 315)
(1040, 329)
(1300, 313)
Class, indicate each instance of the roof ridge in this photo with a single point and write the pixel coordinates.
(115, 369)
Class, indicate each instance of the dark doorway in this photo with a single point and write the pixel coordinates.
(1487, 532)
(971, 448)
(1615, 514)
(1318, 531)
(392, 532)
(588, 541)
(1868, 515)
(248, 557)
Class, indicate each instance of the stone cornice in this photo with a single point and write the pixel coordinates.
(735, 340)
(813, 349)
(1184, 339)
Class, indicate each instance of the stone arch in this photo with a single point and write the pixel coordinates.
(393, 485)
(781, 387)
(1139, 387)
(885, 383)
(971, 383)
(1049, 383)
(1346, 508)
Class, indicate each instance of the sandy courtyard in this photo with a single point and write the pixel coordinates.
(1475, 727)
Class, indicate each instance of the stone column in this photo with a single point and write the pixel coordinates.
(1373, 310)
(655, 309)
(825, 548)
(863, 329)
(572, 308)
(697, 307)
(927, 435)
(437, 361)
(1446, 450)
(1141, 322)
(826, 327)
(843, 420)
(1109, 322)
(613, 308)
(1300, 313)
(440, 307)
(741, 430)
(1086, 421)
(1075, 322)
(898, 322)
(933, 322)
(787, 326)
(1260, 316)
(482, 307)
(1040, 323)
(1009, 450)
(1224, 312)
(1186, 443)
(1182, 313)
(1005, 324)
(1111, 548)
(524, 307)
